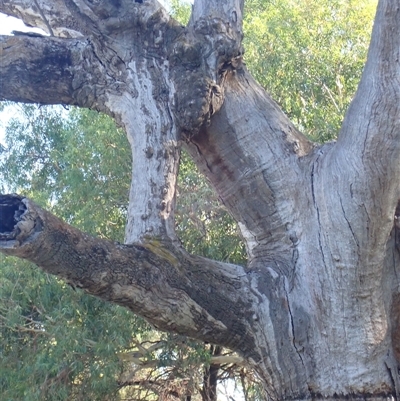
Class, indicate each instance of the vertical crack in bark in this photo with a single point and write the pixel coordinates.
(295, 258)
(365, 141)
(294, 337)
(348, 223)
(317, 209)
(393, 369)
(397, 227)
(396, 248)
(394, 261)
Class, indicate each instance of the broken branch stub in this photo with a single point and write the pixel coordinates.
(12, 226)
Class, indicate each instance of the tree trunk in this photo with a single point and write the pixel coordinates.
(210, 377)
(316, 311)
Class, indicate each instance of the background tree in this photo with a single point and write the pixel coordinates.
(309, 56)
(260, 253)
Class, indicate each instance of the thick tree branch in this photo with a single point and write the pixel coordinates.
(369, 144)
(174, 291)
(251, 152)
(360, 172)
(120, 68)
(48, 70)
(77, 18)
(220, 23)
(223, 9)
(238, 136)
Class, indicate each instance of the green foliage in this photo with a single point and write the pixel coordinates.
(180, 10)
(78, 163)
(309, 55)
(58, 344)
(202, 222)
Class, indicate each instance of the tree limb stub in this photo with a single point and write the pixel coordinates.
(200, 58)
(174, 291)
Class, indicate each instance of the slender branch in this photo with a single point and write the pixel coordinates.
(143, 352)
(227, 359)
(136, 360)
(52, 17)
(174, 291)
(50, 30)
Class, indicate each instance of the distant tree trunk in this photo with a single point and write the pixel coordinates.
(210, 378)
(316, 310)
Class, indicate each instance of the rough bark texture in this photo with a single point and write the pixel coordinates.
(316, 311)
(145, 278)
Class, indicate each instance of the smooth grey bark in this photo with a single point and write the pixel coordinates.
(316, 309)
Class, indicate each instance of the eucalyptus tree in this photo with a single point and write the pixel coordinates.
(315, 310)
